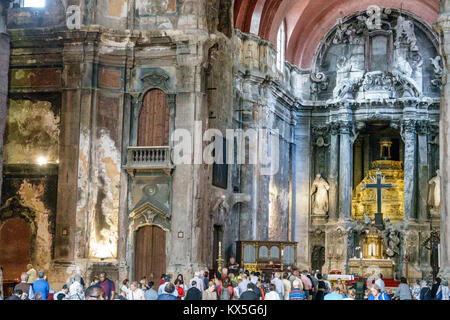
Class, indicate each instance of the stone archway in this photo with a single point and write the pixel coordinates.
(15, 247)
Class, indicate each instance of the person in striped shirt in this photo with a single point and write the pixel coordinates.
(297, 293)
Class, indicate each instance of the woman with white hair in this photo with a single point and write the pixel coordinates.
(76, 291)
(445, 290)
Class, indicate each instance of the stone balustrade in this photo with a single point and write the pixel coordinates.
(149, 159)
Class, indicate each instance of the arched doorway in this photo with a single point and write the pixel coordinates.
(150, 253)
(154, 120)
(15, 247)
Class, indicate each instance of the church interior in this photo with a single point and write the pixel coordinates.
(92, 93)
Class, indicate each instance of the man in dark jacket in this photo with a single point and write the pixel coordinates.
(250, 294)
(435, 288)
(17, 295)
(193, 293)
(169, 289)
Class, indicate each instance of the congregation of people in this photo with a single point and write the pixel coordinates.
(232, 283)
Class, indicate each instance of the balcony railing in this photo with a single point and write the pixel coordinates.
(149, 159)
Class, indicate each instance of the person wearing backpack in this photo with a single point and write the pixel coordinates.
(226, 290)
(425, 292)
(360, 288)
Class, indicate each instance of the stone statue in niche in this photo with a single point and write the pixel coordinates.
(405, 34)
(391, 242)
(434, 192)
(319, 194)
(437, 66)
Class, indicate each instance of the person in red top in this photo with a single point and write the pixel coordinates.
(107, 285)
(179, 289)
(161, 281)
(226, 284)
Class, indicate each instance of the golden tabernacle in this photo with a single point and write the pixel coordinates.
(365, 199)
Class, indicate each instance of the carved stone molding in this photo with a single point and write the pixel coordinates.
(149, 214)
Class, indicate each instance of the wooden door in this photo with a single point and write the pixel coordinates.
(15, 248)
(150, 253)
(154, 121)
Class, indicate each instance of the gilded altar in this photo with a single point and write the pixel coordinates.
(365, 199)
(369, 268)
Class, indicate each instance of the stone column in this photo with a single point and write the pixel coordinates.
(4, 68)
(302, 181)
(333, 205)
(409, 138)
(443, 28)
(422, 131)
(345, 171)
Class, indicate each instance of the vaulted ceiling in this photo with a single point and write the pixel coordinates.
(307, 21)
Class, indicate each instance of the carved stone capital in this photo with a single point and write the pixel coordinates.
(346, 127)
(334, 128)
(422, 127)
(408, 128)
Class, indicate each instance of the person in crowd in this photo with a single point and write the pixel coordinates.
(27, 288)
(233, 266)
(64, 293)
(315, 283)
(32, 274)
(96, 292)
(210, 293)
(179, 289)
(307, 284)
(107, 285)
(297, 292)
(321, 287)
(162, 279)
(95, 281)
(162, 287)
(193, 293)
(198, 281)
(403, 291)
(279, 286)
(17, 295)
(351, 294)
(125, 286)
(180, 279)
(205, 279)
(250, 293)
(243, 285)
(380, 283)
(445, 290)
(41, 286)
(425, 291)
(435, 288)
(253, 277)
(415, 290)
(135, 293)
(327, 283)
(168, 292)
(143, 283)
(76, 288)
(286, 286)
(272, 294)
(336, 294)
(341, 286)
(259, 289)
(225, 291)
(377, 294)
(123, 295)
(360, 287)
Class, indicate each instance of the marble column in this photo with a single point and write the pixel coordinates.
(345, 171)
(410, 140)
(4, 68)
(422, 159)
(302, 181)
(443, 28)
(333, 176)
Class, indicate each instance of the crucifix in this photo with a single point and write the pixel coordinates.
(379, 186)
